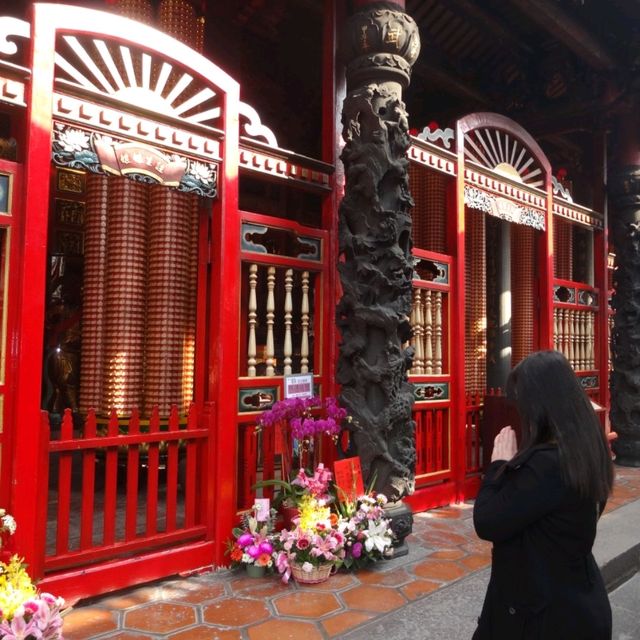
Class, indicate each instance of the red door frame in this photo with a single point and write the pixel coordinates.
(10, 274)
(28, 481)
(544, 253)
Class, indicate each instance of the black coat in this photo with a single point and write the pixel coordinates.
(545, 583)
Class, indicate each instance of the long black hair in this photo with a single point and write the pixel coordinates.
(553, 407)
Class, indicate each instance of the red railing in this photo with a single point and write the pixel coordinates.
(432, 442)
(123, 486)
(473, 442)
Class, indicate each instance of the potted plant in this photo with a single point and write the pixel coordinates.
(252, 546)
(313, 548)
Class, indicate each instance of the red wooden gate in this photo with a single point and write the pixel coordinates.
(87, 73)
(121, 491)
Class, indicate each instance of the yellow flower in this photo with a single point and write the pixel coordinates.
(15, 586)
(311, 513)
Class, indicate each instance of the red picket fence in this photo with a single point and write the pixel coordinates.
(124, 486)
(432, 440)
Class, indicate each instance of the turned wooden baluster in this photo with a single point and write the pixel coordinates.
(437, 351)
(591, 338)
(584, 339)
(416, 339)
(288, 317)
(304, 312)
(253, 319)
(271, 309)
(556, 330)
(428, 333)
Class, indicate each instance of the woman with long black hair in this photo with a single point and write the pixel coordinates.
(539, 504)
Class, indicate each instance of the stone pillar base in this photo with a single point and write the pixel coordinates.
(627, 451)
(401, 517)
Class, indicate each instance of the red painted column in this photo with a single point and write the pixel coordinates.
(224, 336)
(457, 244)
(29, 443)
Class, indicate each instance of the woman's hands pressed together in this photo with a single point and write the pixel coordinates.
(504, 445)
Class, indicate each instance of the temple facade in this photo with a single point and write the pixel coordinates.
(181, 231)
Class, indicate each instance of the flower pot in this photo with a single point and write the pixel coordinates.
(255, 571)
(316, 575)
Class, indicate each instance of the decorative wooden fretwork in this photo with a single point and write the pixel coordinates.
(504, 154)
(280, 320)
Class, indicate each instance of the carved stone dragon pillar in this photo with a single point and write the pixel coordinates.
(375, 245)
(624, 189)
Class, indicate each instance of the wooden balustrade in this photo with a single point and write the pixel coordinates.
(124, 486)
(574, 336)
(426, 321)
(284, 310)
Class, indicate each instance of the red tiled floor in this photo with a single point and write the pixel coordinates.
(439, 570)
(160, 617)
(344, 621)
(385, 578)
(206, 633)
(418, 588)
(235, 612)
(306, 605)
(284, 630)
(191, 592)
(79, 623)
(375, 599)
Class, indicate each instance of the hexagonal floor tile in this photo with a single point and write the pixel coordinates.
(79, 624)
(284, 630)
(207, 633)
(191, 591)
(419, 588)
(371, 598)
(439, 570)
(235, 612)
(306, 605)
(160, 617)
(342, 622)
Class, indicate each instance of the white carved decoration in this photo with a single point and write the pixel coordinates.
(12, 28)
(498, 151)
(254, 127)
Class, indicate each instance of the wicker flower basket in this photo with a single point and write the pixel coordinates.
(316, 575)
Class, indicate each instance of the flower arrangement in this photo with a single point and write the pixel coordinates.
(290, 493)
(368, 536)
(316, 542)
(299, 426)
(26, 614)
(252, 543)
